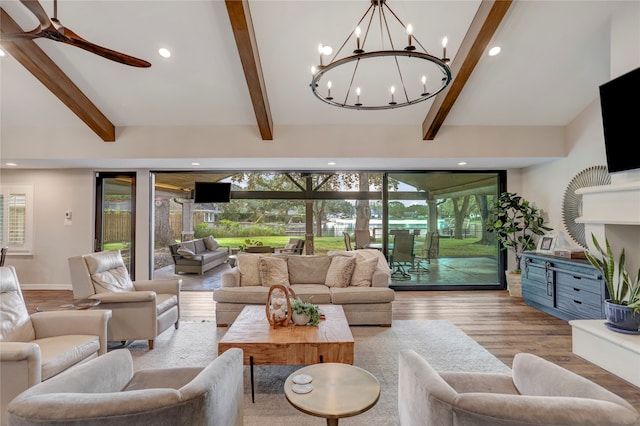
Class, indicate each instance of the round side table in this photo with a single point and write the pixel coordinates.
(339, 390)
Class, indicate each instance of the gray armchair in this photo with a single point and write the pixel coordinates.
(37, 347)
(107, 391)
(537, 393)
(141, 310)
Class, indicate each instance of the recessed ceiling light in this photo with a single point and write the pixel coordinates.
(331, 163)
(494, 50)
(462, 163)
(2, 53)
(10, 164)
(195, 164)
(165, 53)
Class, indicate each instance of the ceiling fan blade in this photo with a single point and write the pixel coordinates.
(75, 40)
(18, 36)
(36, 8)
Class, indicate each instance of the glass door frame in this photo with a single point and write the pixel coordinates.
(98, 241)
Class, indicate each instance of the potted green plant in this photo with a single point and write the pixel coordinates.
(304, 313)
(516, 224)
(622, 308)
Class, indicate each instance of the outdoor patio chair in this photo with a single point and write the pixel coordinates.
(402, 257)
(363, 238)
(429, 251)
(294, 246)
(347, 241)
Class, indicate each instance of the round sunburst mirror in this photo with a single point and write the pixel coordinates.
(572, 202)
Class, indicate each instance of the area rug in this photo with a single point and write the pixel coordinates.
(442, 344)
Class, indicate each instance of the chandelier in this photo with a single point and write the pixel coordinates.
(410, 75)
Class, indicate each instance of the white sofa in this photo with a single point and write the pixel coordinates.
(362, 288)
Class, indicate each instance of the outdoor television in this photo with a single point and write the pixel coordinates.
(620, 106)
(212, 192)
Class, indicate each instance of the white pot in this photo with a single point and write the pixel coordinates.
(514, 284)
(300, 319)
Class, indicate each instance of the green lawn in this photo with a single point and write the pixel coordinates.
(449, 247)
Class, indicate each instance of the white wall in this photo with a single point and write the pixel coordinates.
(584, 140)
(55, 191)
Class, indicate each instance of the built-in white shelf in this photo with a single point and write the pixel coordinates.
(617, 353)
(615, 204)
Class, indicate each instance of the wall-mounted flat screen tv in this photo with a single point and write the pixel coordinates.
(212, 192)
(620, 105)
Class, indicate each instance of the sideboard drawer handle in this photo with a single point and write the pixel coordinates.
(577, 302)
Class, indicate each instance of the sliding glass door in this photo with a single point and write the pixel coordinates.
(115, 214)
(436, 235)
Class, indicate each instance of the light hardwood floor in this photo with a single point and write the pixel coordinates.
(502, 324)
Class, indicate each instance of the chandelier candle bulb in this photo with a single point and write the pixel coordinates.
(393, 90)
(424, 86)
(358, 49)
(445, 41)
(329, 90)
(358, 97)
(409, 32)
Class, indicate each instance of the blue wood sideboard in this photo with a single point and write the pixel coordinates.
(565, 288)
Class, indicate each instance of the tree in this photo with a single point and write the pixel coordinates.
(460, 212)
(163, 234)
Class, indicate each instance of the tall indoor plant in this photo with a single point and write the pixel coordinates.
(622, 308)
(516, 224)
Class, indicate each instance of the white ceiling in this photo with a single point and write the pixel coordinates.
(554, 56)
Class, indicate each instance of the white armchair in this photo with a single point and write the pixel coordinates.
(107, 391)
(35, 347)
(141, 310)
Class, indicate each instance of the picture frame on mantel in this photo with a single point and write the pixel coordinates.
(547, 243)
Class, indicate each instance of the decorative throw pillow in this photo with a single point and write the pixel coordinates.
(211, 243)
(273, 270)
(308, 269)
(340, 271)
(185, 252)
(363, 272)
(249, 266)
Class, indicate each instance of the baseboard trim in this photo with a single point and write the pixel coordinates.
(46, 287)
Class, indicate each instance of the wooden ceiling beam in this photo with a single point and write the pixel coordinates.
(242, 27)
(484, 25)
(44, 69)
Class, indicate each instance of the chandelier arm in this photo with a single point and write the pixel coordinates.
(353, 76)
(351, 34)
(405, 27)
(366, 33)
(386, 25)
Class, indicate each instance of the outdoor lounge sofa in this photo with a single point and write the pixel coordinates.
(198, 256)
(358, 280)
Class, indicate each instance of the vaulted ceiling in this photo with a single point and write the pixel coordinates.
(246, 63)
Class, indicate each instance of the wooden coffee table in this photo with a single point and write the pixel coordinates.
(329, 341)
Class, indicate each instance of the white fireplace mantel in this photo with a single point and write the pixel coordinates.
(615, 204)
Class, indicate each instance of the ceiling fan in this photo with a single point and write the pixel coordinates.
(52, 29)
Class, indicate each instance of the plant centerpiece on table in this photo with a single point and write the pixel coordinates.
(304, 313)
(622, 308)
(516, 224)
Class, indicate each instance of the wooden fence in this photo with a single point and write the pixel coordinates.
(117, 227)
